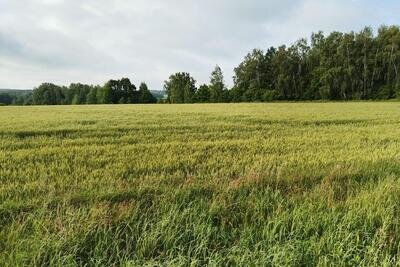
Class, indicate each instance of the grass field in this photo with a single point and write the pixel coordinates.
(180, 185)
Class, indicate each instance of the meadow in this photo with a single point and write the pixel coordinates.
(280, 184)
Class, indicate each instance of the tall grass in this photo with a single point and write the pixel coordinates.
(195, 185)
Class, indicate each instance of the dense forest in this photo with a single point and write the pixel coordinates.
(339, 66)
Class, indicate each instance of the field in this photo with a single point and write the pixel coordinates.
(193, 185)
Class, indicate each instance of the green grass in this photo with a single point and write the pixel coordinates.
(193, 185)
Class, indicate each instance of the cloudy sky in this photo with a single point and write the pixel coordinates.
(91, 41)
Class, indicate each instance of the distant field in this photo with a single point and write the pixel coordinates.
(229, 184)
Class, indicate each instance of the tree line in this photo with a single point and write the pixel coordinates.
(339, 66)
(113, 92)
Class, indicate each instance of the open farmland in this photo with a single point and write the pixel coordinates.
(226, 184)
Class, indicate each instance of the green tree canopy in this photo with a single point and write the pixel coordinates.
(48, 94)
(202, 94)
(180, 88)
(145, 96)
(217, 85)
(119, 92)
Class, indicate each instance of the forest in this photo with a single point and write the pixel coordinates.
(339, 66)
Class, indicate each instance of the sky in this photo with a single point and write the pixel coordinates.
(92, 41)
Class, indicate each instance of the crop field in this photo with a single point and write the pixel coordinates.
(280, 184)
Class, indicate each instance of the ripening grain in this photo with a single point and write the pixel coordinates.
(228, 184)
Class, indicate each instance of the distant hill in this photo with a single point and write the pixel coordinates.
(15, 97)
(159, 94)
(6, 90)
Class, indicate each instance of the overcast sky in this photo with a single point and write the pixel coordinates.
(91, 41)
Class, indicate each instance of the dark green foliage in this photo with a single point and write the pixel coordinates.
(91, 98)
(120, 92)
(145, 95)
(180, 88)
(48, 94)
(113, 92)
(79, 93)
(202, 94)
(253, 76)
(217, 86)
(340, 66)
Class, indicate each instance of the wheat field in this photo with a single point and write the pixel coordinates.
(282, 184)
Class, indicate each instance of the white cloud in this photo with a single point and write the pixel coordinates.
(95, 40)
